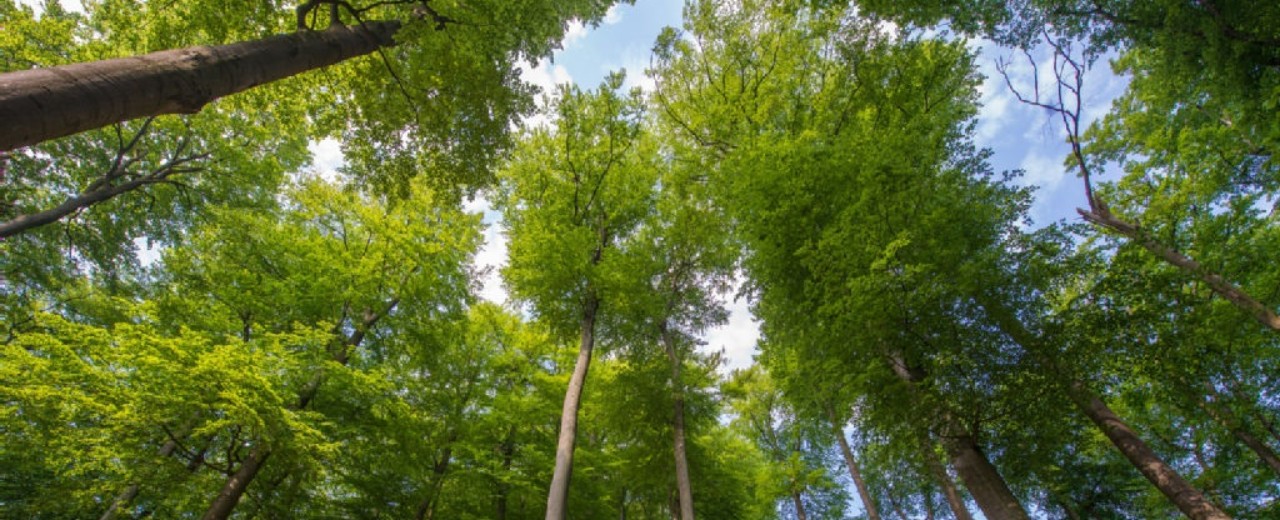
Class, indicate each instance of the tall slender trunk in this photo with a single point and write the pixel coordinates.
(949, 491)
(977, 473)
(981, 478)
(1186, 497)
(130, 492)
(868, 503)
(239, 481)
(683, 486)
(41, 104)
(427, 508)
(1244, 301)
(504, 490)
(558, 495)
(1181, 493)
(1228, 420)
(799, 502)
(897, 508)
(235, 486)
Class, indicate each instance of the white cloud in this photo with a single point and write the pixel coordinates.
(738, 337)
(1042, 170)
(546, 76)
(492, 256)
(576, 31)
(635, 62)
(612, 16)
(326, 157)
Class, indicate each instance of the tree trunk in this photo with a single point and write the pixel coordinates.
(800, 515)
(504, 490)
(130, 492)
(235, 486)
(868, 503)
(949, 491)
(427, 508)
(41, 104)
(1228, 420)
(1181, 493)
(977, 473)
(683, 486)
(1216, 282)
(1186, 497)
(558, 495)
(982, 479)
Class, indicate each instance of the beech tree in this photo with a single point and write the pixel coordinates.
(584, 186)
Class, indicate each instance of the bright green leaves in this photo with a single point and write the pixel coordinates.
(572, 199)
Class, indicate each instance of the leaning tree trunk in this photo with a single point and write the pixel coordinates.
(1228, 420)
(1244, 301)
(1182, 494)
(558, 495)
(868, 503)
(41, 104)
(982, 479)
(799, 502)
(979, 476)
(949, 491)
(683, 486)
(1186, 497)
(235, 486)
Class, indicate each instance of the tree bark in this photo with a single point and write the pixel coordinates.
(977, 473)
(949, 491)
(1181, 493)
(868, 503)
(41, 104)
(508, 449)
(130, 492)
(427, 508)
(683, 486)
(1186, 497)
(1228, 420)
(1237, 296)
(558, 495)
(799, 502)
(235, 486)
(982, 479)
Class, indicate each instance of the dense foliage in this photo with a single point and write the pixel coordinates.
(196, 323)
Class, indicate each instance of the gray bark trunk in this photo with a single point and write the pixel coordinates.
(949, 491)
(1237, 296)
(868, 503)
(977, 473)
(982, 479)
(558, 495)
(799, 502)
(41, 104)
(683, 486)
(1187, 498)
(235, 486)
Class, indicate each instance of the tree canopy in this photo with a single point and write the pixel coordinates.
(197, 322)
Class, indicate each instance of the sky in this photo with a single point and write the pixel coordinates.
(1022, 137)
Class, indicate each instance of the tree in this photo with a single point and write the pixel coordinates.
(573, 198)
(45, 103)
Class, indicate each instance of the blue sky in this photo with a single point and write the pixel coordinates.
(1021, 137)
